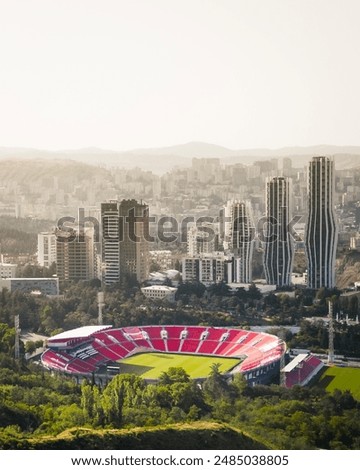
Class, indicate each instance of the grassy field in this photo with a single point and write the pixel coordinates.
(342, 378)
(151, 365)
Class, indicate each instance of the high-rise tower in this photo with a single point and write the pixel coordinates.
(125, 226)
(321, 228)
(278, 241)
(240, 233)
(46, 249)
(199, 241)
(76, 254)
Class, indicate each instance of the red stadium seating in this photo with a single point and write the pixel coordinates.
(304, 372)
(105, 339)
(117, 335)
(143, 343)
(173, 345)
(110, 354)
(234, 335)
(194, 332)
(207, 347)
(214, 334)
(154, 332)
(189, 345)
(134, 332)
(129, 346)
(110, 345)
(53, 360)
(114, 352)
(159, 344)
(174, 331)
(79, 366)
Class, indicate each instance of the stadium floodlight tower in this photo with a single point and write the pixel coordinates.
(331, 354)
(101, 305)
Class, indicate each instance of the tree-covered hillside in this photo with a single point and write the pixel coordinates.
(19, 236)
(35, 405)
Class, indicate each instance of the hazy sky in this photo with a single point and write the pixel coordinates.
(121, 74)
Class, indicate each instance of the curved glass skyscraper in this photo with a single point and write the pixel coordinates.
(243, 238)
(278, 241)
(321, 229)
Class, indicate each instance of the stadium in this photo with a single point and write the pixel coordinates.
(102, 351)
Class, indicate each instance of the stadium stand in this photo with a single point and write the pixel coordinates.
(173, 345)
(189, 346)
(85, 350)
(215, 334)
(301, 370)
(207, 347)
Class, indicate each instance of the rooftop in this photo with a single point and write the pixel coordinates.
(162, 288)
(81, 332)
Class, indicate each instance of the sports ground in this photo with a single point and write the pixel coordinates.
(151, 365)
(341, 378)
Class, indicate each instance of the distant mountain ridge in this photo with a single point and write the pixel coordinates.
(163, 159)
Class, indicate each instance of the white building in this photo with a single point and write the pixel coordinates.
(46, 249)
(298, 279)
(355, 242)
(160, 292)
(7, 270)
(207, 269)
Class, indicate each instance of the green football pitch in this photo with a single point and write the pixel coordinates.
(341, 378)
(151, 365)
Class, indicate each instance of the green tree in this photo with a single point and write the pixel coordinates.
(174, 374)
(30, 347)
(123, 392)
(87, 401)
(216, 385)
(7, 338)
(253, 292)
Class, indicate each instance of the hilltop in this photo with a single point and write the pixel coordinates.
(197, 435)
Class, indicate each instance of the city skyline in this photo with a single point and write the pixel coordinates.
(191, 195)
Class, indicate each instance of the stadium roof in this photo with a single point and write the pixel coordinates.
(294, 363)
(82, 332)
